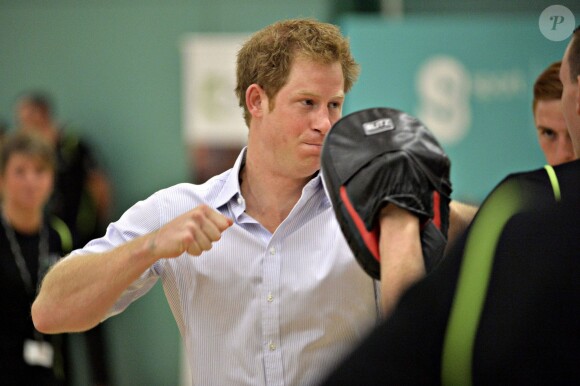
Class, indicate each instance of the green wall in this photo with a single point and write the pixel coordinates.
(114, 68)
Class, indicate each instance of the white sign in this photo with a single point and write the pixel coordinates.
(211, 114)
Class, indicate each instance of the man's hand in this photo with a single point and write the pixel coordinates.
(192, 232)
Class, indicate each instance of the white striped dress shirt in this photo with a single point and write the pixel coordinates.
(258, 308)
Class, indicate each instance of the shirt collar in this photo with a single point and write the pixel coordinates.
(231, 189)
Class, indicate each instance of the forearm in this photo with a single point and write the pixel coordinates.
(401, 255)
(77, 292)
(460, 216)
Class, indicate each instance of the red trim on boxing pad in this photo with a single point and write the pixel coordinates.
(437, 209)
(371, 239)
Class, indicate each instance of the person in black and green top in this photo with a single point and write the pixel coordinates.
(30, 242)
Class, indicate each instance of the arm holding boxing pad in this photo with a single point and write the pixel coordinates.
(378, 156)
(401, 256)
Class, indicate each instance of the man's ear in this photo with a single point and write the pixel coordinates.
(256, 100)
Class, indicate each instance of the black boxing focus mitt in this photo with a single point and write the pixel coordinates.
(378, 156)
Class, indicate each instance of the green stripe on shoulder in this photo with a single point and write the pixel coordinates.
(554, 182)
(65, 236)
(472, 284)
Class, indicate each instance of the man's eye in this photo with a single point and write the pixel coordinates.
(548, 133)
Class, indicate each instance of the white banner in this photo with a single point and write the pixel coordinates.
(211, 114)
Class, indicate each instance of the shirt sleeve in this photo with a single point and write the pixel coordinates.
(139, 220)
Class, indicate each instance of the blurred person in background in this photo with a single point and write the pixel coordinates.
(82, 192)
(549, 119)
(81, 197)
(30, 242)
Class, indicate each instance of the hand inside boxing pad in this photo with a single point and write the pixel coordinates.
(378, 156)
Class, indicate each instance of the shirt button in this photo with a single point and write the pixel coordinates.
(270, 298)
(272, 251)
(240, 200)
(272, 346)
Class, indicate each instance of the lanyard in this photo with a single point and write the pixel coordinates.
(19, 258)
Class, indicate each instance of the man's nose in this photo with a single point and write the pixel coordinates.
(323, 121)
